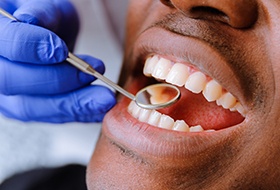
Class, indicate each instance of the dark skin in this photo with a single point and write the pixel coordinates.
(237, 44)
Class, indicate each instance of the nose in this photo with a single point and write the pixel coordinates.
(236, 13)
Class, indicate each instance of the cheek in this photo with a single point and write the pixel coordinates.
(138, 15)
(134, 20)
(97, 169)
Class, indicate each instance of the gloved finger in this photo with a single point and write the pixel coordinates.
(19, 78)
(28, 43)
(89, 104)
(58, 16)
(8, 6)
(39, 12)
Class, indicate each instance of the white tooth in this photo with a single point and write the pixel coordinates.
(210, 130)
(136, 111)
(233, 109)
(154, 118)
(212, 91)
(162, 68)
(144, 115)
(181, 125)
(166, 122)
(178, 74)
(131, 107)
(240, 109)
(150, 65)
(196, 82)
(197, 128)
(227, 100)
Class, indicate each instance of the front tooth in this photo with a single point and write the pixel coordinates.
(196, 82)
(227, 100)
(166, 122)
(131, 107)
(240, 109)
(212, 91)
(178, 74)
(136, 110)
(154, 118)
(144, 115)
(150, 65)
(197, 128)
(162, 68)
(181, 125)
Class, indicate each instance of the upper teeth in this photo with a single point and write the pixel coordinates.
(195, 81)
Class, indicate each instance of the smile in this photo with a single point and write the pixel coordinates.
(195, 122)
(192, 80)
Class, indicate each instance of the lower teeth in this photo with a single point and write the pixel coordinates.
(157, 119)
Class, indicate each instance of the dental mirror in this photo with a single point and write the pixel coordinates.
(157, 96)
(151, 97)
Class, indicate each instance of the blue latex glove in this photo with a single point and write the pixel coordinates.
(35, 83)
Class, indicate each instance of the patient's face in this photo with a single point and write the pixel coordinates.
(224, 131)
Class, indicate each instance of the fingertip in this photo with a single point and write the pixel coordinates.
(58, 50)
(50, 48)
(106, 100)
(42, 13)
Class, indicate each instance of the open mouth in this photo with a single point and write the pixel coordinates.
(205, 105)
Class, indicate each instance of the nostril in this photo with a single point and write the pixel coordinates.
(167, 3)
(208, 10)
(235, 13)
(203, 12)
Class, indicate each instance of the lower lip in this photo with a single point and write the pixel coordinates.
(121, 128)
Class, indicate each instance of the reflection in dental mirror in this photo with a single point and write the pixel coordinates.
(157, 96)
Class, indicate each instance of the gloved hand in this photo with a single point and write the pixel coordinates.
(35, 82)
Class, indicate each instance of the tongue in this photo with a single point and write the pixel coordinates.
(195, 110)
